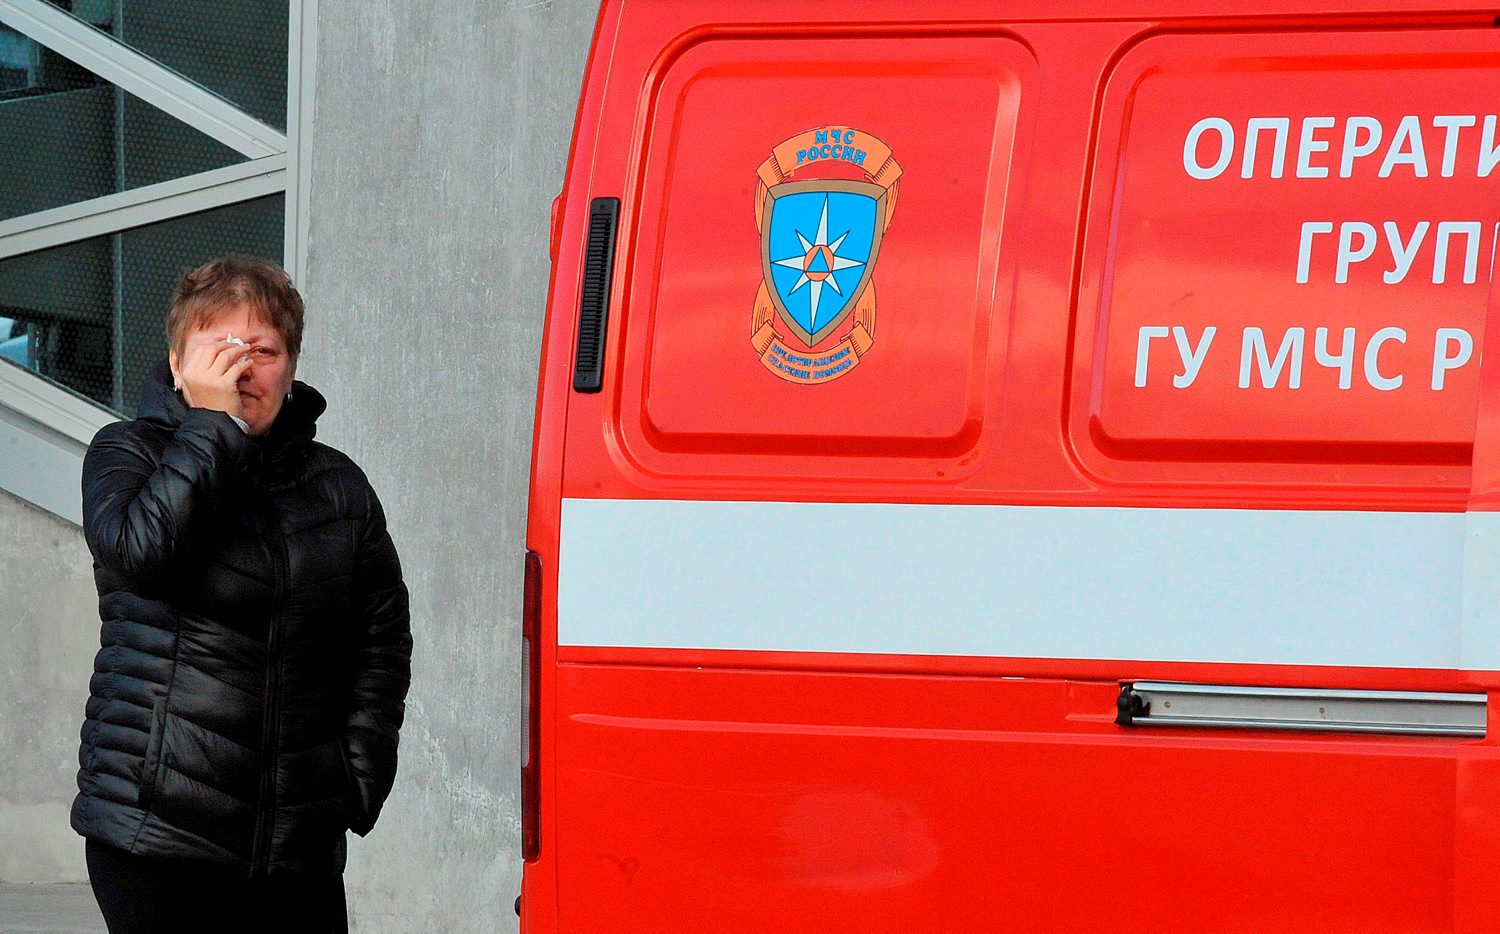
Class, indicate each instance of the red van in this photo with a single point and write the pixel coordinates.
(1002, 467)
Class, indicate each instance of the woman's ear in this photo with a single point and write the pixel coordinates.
(176, 374)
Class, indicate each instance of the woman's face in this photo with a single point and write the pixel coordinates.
(266, 381)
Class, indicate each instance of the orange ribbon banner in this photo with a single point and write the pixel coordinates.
(800, 365)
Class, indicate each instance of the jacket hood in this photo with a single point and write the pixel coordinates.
(296, 422)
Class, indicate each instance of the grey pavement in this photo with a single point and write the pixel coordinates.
(43, 908)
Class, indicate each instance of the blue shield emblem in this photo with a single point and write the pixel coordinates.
(819, 240)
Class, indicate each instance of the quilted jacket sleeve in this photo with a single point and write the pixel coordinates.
(382, 668)
(142, 509)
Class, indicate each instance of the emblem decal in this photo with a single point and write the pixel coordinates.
(819, 239)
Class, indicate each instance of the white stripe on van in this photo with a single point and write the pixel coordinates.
(1213, 585)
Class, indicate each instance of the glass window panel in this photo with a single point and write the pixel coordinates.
(235, 48)
(90, 315)
(20, 61)
(27, 67)
(70, 136)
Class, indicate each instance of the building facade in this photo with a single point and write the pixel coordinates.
(401, 159)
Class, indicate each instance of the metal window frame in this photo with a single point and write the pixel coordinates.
(302, 37)
(44, 432)
(143, 77)
(140, 206)
(44, 428)
(71, 417)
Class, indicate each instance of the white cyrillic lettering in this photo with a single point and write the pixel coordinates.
(1345, 359)
(1453, 124)
(1447, 229)
(1282, 127)
(1372, 359)
(1402, 253)
(1408, 132)
(1353, 149)
(1192, 360)
(1307, 145)
(1289, 355)
(1441, 361)
(1226, 148)
(1143, 351)
(1310, 229)
(1489, 153)
(1348, 255)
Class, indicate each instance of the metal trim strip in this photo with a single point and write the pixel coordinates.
(1319, 710)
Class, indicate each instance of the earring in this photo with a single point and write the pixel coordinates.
(289, 397)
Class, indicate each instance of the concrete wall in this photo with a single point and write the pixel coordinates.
(440, 137)
(49, 632)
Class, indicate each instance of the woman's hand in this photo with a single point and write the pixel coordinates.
(209, 374)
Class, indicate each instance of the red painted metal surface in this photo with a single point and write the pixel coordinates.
(1045, 215)
(1166, 249)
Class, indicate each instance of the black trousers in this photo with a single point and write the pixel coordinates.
(140, 895)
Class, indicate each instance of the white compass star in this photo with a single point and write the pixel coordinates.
(818, 249)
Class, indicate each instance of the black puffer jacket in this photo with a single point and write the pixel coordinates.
(256, 642)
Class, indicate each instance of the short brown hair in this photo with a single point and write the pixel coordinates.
(234, 280)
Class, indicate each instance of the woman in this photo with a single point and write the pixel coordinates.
(256, 643)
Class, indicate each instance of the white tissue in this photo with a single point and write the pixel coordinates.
(231, 339)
